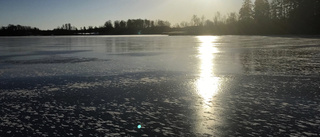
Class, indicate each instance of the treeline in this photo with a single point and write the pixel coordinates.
(18, 30)
(254, 17)
(131, 26)
(262, 17)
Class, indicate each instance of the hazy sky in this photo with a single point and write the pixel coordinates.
(49, 14)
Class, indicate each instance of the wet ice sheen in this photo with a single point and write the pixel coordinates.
(172, 86)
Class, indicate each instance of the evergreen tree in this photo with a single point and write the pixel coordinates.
(262, 16)
(246, 13)
(261, 11)
(246, 25)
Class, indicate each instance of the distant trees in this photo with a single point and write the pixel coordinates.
(304, 16)
(18, 30)
(254, 17)
(131, 26)
(280, 17)
(232, 18)
(296, 16)
(262, 17)
(108, 25)
(116, 24)
(67, 26)
(65, 29)
(195, 20)
(123, 24)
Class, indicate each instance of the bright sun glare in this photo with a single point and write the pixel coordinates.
(208, 83)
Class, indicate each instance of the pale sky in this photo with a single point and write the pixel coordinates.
(49, 14)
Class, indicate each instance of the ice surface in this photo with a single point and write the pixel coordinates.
(106, 86)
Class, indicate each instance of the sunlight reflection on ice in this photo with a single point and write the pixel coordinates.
(207, 84)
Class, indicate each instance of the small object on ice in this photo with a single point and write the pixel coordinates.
(139, 126)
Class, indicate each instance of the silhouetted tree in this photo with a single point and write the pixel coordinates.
(261, 11)
(184, 24)
(246, 12)
(232, 18)
(246, 25)
(195, 20)
(217, 18)
(147, 23)
(123, 24)
(108, 24)
(161, 23)
(208, 23)
(262, 16)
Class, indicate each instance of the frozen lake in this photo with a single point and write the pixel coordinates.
(170, 85)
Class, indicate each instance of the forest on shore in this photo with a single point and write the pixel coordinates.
(260, 17)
